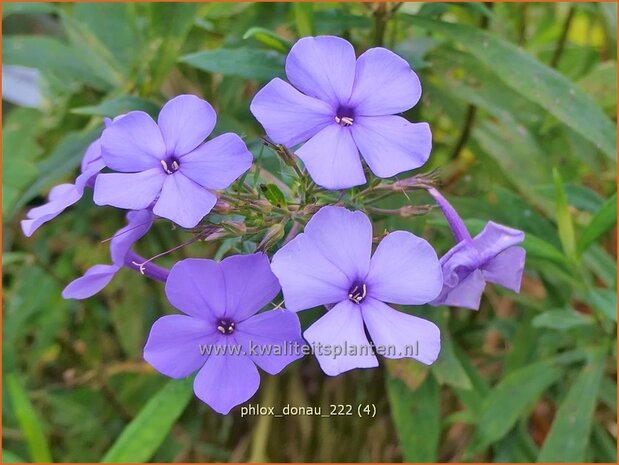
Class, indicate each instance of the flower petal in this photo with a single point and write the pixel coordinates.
(174, 345)
(196, 287)
(391, 145)
(218, 162)
(132, 143)
(250, 284)
(336, 335)
(332, 158)
(133, 191)
(343, 237)
(495, 238)
(384, 84)
(185, 121)
(458, 228)
(60, 198)
(269, 332)
(288, 116)
(466, 293)
(401, 335)
(95, 279)
(404, 270)
(92, 157)
(138, 224)
(183, 201)
(226, 381)
(506, 268)
(322, 67)
(307, 277)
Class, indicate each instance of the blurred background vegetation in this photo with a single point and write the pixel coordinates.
(521, 99)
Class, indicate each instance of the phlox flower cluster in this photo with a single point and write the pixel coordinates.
(335, 112)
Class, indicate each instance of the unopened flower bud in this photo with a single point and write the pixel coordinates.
(273, 235)
(222, 207)
(413, 210)
(237, 227)
(421, 181)
(263, 205)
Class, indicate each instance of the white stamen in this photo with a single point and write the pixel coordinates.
(165, 166)
(221, 329)
(175, 165)
(344, 120)
(355, 296)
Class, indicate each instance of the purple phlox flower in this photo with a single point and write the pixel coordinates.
(491, 256)
(340, 106)
(166, 163)
(64, 195)
(220, 327)
(331, 263)
(99, 276)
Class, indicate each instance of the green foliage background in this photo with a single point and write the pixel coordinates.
(521, 99)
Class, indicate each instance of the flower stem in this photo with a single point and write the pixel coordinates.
(151, 270)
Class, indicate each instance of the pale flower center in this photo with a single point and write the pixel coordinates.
(170, 165)
(357, 292)
(225, 327)
(344, 116)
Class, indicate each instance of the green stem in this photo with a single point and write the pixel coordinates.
(261, 434)
(556, 57)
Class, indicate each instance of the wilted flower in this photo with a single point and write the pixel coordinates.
(342, 106)
(99, 276)
(331, 263)
(220, 301)
(166, 163)
(64, 195)
(491, 256)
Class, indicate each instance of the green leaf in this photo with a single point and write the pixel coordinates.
(268, 38)
(603, 221)
(243, 62)
(304, 18)
(448, 369)
(116, 27)
(609, 10)
(602, 264)
(604, 301)
(147, 431)
(170, 25)
(273, 194)
(118, 105)
(569, 434)
(608, 392)
(27, 8)
(50, 56)
(533, 80)
(93, 52)
(11, 457)
(416, 416)
(601, 84)
(21, 152)
(604, 444)
(562, 319)
(564, 218)
(29, 420)
(510, 399)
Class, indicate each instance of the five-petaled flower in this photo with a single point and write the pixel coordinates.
(220, 301)
(340, 106)
(165, 164)
(493, 255)
(331, 263)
